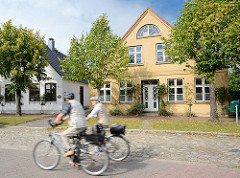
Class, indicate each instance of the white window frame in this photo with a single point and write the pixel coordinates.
(135, 53)
(204, 85)
(174, 93)
(124, 86)
(165, 59)
(104, 89)
(144, 31)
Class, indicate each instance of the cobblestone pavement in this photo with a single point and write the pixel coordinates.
(219, 150)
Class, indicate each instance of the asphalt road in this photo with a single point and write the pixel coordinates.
(19, 163)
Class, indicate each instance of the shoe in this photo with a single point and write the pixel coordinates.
(96, 150)
(74, 164)
(69, 153)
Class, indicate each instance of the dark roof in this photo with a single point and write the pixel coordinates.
(54, 57)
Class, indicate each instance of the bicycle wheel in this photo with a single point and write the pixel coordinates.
(117, 147)
(46, 154)
(93, 159)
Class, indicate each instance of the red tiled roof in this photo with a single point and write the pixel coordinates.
(148, 9)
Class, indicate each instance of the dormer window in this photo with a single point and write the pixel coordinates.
(148, 30)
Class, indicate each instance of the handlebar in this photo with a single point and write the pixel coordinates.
(50, 122)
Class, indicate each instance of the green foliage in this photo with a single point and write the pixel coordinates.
(22, 58)
(189, 114)
(137, 90)
(136, 109)
(222, 94)
(116, 112)
(164, 112)
(207, 32)
(234, 80)
(161, 91)
(97, 56)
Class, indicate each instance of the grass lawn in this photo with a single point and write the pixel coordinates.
(15, 120)
(178, 125)
(200, 126)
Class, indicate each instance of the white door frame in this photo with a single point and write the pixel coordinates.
(150, 98)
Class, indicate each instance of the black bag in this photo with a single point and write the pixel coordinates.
(94, 138)
(117, 129)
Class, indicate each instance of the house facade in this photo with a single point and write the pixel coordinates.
(150, 68)
(53, 89)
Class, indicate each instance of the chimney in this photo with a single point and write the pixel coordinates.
(51, 44)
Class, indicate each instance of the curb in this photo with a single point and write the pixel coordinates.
(185, 132)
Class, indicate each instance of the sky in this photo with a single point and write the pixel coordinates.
(61, 19)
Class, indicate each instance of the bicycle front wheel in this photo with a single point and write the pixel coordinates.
(46, 154)
(94, 159)
(117, 147)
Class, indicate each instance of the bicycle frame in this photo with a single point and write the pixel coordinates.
(55, 138)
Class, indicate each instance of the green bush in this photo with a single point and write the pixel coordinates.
(136, 109)
(190, 114)
(164, 112)
(115, 112)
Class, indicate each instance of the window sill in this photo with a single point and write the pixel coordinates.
(106, 102)
(159, 63)
(126, 102)
(202, 102)
(132, 65)
(176, 102)
(148, 36)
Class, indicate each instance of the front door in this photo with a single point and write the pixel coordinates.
(150, 99)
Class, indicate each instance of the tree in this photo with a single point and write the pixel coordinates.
(96, 56)
(234, 80)
(207, 32)
(22, 58)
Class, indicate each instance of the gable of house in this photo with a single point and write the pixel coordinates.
(150, 67)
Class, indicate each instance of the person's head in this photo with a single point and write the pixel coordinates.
(69, 96)
(95, 100)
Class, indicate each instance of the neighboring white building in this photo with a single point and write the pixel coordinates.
(55, 88)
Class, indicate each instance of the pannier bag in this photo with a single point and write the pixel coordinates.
(117, 129)
(94, 138)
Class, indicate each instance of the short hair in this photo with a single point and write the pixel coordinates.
(95, 98)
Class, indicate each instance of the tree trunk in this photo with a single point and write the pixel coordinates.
(18, 104)
(213, 104)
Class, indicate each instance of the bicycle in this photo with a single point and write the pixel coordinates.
(117, 146)
(46, 153)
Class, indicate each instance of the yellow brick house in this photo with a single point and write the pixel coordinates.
(149, 67)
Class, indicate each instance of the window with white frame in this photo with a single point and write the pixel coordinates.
(50, 92)
(135, 55)
(161, 54)
(148, 30)
(176, 90)
(105, 92)
(202, 91)
(125, 92)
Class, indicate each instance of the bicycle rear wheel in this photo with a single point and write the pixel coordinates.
(118, 147)
(46, 154)
(93, 159)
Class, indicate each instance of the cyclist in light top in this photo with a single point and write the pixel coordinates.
(73, 111)
(100, 112)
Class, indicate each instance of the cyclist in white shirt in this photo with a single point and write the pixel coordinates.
(100, 112)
